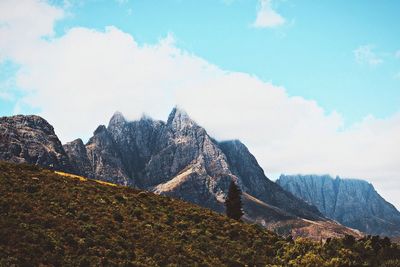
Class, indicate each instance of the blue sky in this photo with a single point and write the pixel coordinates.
(311, 55)
(308, 86)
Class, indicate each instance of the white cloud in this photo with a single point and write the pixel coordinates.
(365, 55)
(79, 79)
(266, 16)
(397, 54)
(22, 23)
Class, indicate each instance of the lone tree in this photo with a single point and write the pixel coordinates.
(233, 202)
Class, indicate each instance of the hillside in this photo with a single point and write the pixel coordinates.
(58, 219)
(352, 202)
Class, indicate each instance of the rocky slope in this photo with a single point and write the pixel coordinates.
(178, 158)
(354, 203)
(254, 182)
(31, 139)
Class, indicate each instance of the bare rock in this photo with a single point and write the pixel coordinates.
(31, 139)
(78, 157)
(352, 202)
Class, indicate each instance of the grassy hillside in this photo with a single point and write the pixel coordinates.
(54, 219)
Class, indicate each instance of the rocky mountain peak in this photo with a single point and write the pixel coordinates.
(100, 129)
(117, 120)
(29, 121)
(178, 119)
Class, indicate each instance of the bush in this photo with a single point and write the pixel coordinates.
(117, 216)
(120, 198)
(137, 212)
(83, 216)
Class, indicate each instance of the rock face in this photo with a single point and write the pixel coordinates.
(254, 182)
(354, 203)
(78, 157)
(105, 158)
(175, 158)
(31, 139)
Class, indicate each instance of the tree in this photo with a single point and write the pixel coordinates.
(233, 202)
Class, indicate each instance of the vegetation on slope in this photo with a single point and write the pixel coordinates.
(52, 219)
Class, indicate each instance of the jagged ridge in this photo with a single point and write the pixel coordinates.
(352, 202)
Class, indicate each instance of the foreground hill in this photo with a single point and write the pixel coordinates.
(58, 219)
(352, 202)
(176, 158)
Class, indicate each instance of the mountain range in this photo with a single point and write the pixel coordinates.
(352, 202)
(176, 158)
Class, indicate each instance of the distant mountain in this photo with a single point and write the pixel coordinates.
(177, 158)
(354, 203)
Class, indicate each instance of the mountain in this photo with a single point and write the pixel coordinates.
(354, 203)
(31, 139)
(52, 218)
(178, 158)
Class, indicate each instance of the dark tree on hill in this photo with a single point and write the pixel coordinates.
(233, 202)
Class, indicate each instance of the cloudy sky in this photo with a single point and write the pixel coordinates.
(309, 87)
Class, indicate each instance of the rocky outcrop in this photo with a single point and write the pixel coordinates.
(31, 139)
(105, 158)
(78, 157)
(354, 203)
